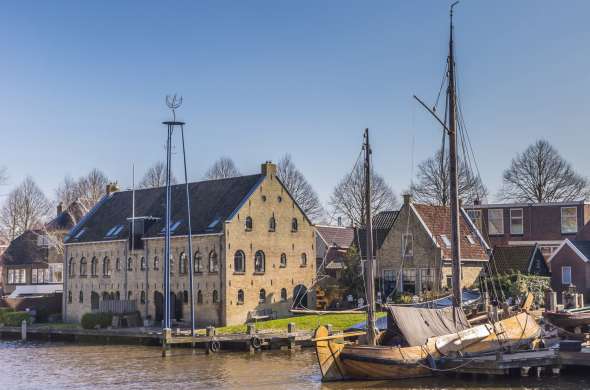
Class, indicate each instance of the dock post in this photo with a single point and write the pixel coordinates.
(539, 371)
(524, 371)
(551, 301)
(329, 327)
(23, 330)
(166, 335)
(251, 329)
(291, 331)
(210, 332)
(555, 371)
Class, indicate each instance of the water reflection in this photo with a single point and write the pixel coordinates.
(68, 366)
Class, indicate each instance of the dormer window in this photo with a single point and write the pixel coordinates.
(80, 233)
(173, 227)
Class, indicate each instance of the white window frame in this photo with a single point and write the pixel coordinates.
(512, 230)
(576, 217)
(563, 279)
(499, 232)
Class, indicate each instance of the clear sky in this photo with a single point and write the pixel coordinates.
(83, 83)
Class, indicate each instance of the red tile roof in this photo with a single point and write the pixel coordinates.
(340, 236)
(438, 221)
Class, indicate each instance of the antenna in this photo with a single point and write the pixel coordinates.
(173, 102)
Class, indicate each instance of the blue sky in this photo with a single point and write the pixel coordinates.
(83, 84)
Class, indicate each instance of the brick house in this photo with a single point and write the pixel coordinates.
(251, 244)
(545, 224)
(570, 265)
(332, 244)
(419, 244)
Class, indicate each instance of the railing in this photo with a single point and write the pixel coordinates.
(117, 307)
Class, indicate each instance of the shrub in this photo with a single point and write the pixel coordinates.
(15, 318)
(94, 320)
(3, 312)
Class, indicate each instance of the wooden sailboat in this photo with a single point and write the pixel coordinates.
(427, 335)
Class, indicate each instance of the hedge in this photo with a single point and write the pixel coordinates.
(15, 318)
(94, 320)
(3, 312)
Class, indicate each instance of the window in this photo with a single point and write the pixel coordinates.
(142, 264)
(239, 262)
(259, 261)
(569, 220)
(516, 221)
(156, 263)
(81, 297)
(475, 216)
(200, 297)
(304, 260)
(240, 297)
(39, 276)
(294, 225)
(70, 297)
(83, 266)
(185, 296)
(248, 224)
(16, 276)
(215, 296)
(129, 295)
(427, 279)
(118, 296)
(130, 264)
(94, 267)
(445, 240)
(182, 263)
(72, 267)
(213, 263)
(56, 271)
(94, 300)
(496, 221)
(283, 262)
(105, 296)
(171, 264)
(566, 275)
(42, 241)
(262, 296)
(272, 224)
(470, 239)
(198, 259)
(118, 264)
(283, 295)
(407, 245)
(409, 280)
(106, 266)
(142, 297)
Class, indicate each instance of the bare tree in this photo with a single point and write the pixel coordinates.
(87, 189)
(223, 168)
(348, 198)
(156, 176)
(67, 191)
(3, 176)
(299, 188)
(25, 208)
(433, 184)
(541, 174)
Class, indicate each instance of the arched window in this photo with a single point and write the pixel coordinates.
(294, 225)
(112, 296)
(130, 264)
(215, 296)
(129, 295)
(142, 298)
(262, 296)
(303, 260)
(182, 263)
(240, 297)
(118, 296)
(118, 264)
(83, 266)
(71, 267)
(185, 296)
(105, 296)
(70, 296)
(283, 295)
(171, 264)
(239, 262)
(283, 263)
(213, 264)
(81, 297)
(142, 264)
(248, 223)
(198, 259)
(106, 266)
(272, 224)
(94, 266)
(156, 263)
(259, 261)
(94, 300)
(199, 297)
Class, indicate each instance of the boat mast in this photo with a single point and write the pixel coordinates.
(370, 274)
(454, 196)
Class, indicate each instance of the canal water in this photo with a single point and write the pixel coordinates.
(70, 366)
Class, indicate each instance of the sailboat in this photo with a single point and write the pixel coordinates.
(417, 339)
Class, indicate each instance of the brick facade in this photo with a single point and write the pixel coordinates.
(567, 256)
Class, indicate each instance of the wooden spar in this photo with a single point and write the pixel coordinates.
(454, 195)
(305, 311)
(371, 333)
(339, 336)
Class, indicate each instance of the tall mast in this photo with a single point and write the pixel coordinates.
(370, 275)
(456, 245)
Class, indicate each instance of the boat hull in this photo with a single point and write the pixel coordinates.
(568, 321)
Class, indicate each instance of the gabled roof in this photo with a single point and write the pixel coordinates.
(382, 223)
(507, 259)
(25, 250)
(339, 236)
(68, 218)
(212, 203)
(385, 219)
(437, 221)
(580, 247)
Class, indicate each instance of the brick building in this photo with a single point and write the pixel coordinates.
(570, 265)
(419, 244)
(253, 250)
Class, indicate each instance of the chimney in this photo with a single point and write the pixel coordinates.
(407, 199)
(111, 187)
(268, 169)
(60, 208)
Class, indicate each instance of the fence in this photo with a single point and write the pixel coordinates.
(117, 307)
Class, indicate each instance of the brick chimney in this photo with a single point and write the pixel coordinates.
(111, 187)
(268, 169)
(60, 208)
(477, 202)
(407, 199)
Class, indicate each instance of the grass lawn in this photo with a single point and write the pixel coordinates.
(306, 322)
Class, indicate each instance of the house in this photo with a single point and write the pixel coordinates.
(382, 223)
(545, 224)
(250, 240)
(332, 244)
(415, 256)
(570, 265)
(525, 259)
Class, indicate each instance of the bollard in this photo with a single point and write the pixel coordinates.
(580, 300)
(23, 330)
(166, 336)
(524, 371)
(551, 303)
(291, 327)
(251, 329)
